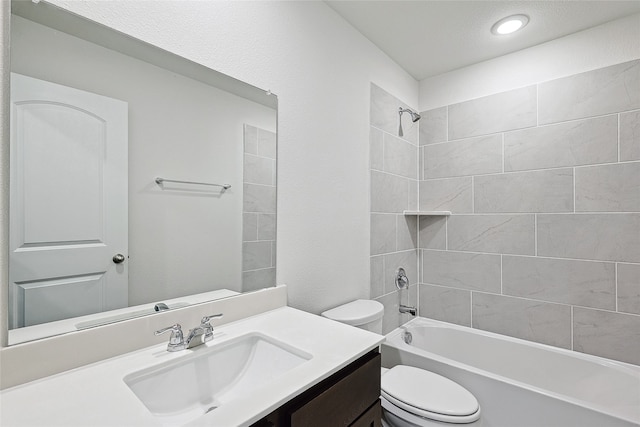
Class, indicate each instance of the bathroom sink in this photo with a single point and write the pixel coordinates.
(208, 377)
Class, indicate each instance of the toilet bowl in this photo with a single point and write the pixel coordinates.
(414, 397)
(411, 397)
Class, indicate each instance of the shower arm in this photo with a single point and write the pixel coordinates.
(414, 118)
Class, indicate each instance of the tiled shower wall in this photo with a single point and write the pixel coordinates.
(394, 189)
(543, 183)
(259, 209)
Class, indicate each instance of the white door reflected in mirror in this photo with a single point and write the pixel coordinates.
(67, 146)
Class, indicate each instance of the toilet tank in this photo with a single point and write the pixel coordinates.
(362, 313)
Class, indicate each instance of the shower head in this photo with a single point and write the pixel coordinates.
(414, 118)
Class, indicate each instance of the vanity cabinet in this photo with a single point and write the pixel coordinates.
(350, 397)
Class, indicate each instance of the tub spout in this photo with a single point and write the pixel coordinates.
(407, 309)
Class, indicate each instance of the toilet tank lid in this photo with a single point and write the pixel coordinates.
(357, 312)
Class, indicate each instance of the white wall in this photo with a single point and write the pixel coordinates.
(611, 43)
(321, 69)
(180, 242)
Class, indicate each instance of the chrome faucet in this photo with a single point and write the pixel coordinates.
(197, 336)
(203, 333)
(406, 309)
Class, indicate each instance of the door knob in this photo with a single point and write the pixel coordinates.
(118, 258)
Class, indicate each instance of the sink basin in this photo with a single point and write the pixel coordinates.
(208, 377)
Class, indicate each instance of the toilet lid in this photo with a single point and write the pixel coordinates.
(423, 392)
(356, 312)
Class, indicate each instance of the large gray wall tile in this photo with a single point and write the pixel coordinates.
(629, 288)
(463, 158)
(376, 149)
(259, 198)
(249, 227)
(383, 233)
(630, 136)
(266, 143)
(432, 232)
(514, 109)
(413, 195)
(384, 114)
(539, 191)
(258, 170)
(507, 234)
(586, 283)
(400, 157)
(407, 229)
(606, 237)
(407, 260)
(250, 139)
(258, 279)
(389, 193)
(461, 270)
(256, 255)
(608, 188)
(542, 322)
(433, 126)
(266, 226)
(603, 91)
(445, 304)
(607, 334)
(377, 276)
(449, 194)
(575, 143)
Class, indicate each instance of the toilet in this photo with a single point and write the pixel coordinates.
(411, 396)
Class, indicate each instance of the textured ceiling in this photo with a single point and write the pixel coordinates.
(428, 37)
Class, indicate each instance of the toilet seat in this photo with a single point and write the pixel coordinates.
(426, 394)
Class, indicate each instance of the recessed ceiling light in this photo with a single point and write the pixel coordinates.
(510, 24)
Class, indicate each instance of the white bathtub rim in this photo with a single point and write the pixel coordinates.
(395, 340)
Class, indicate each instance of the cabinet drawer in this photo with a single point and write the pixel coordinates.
(343, 402)
(371, 418)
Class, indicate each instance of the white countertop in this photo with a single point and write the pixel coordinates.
(96, 395)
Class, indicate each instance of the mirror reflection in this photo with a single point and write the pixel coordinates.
(136, 185)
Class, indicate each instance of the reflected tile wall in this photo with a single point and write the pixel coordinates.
(393, 164)
(543, 183)
(259, 207)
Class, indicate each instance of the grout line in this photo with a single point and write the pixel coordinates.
(532, 213)
(390, 173)
(530, 256)
(532, 170)
(538, 125)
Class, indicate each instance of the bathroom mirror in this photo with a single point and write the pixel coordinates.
(140, 181)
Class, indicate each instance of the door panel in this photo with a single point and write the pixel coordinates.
(68, 206)
(56, 299)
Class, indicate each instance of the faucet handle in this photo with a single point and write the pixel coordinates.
(206, 319)
(206, 326)
(176, 340)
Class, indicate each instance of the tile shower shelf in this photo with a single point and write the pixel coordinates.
(426, 213)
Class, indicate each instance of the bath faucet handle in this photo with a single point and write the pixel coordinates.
(176, 340)
(206, 326)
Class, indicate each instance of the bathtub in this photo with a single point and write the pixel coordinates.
(520, 383)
